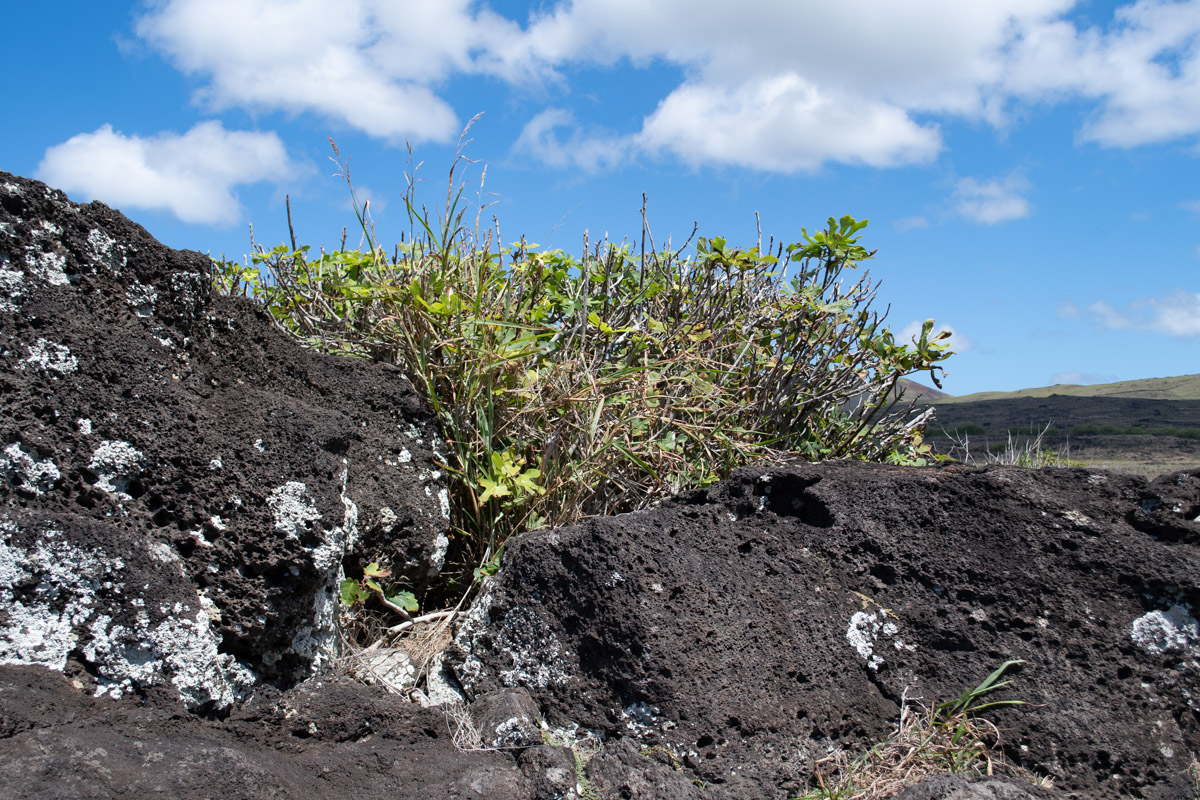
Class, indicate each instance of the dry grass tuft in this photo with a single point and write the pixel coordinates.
(947, 738)
(922, 746)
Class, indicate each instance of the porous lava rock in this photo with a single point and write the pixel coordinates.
(751, 628)
(180, 483)
(322, 739)
(956, 787)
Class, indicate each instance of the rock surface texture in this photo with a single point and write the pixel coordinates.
(750, 628)
(322, 739)
(180, 484)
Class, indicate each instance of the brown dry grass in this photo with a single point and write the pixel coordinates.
(925, 744)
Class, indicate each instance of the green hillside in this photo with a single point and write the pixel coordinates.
(911, 390)
(1183, 387)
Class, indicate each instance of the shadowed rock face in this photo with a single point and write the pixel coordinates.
(179, 483)
(751, 627)
(329, 738)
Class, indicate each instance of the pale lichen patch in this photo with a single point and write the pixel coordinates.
(101, 246)
(49, 266)
(12, 288)
(534, 651)
(25, 473)
(182, 646)
(866, 629)
(50, 357)
(40, 625)
(437, 556)
(115, 464)
(292, 510)
(142, 299)
(1170, 631)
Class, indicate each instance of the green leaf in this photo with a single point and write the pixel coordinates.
(352, 592)
(526, 480)
(492, 489)
(406, 600)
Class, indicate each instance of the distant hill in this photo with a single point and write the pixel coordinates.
(911, 390)
(1183, 387)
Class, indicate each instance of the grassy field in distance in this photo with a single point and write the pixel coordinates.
(1144, 427)
(1182, 387)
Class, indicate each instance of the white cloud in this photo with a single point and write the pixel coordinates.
(783, 123)
(910, 224)
(823, 69)
(1069, 311)
(990, 202)
(1193, 205)
(367, 63)
(539, 140)
(1108, 317)
(1176, 314)
(192, 176)
(768, 84)
(958, 342)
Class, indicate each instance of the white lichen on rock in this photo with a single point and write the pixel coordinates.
(12, 287)
(292, 510)
(115, 465)
(24, 472)
(45, 623)
(1171, 631)
(142, 299)
(50, 357)
(535, 653)
(866, 629)
(437, 555)
(182, 645)
(101, 246)
(40, 625)
(48, 265)
(294, 513)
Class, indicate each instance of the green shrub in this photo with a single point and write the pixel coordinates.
(568, 387)
(1134, 430)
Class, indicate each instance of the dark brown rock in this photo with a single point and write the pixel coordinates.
(550, 771)
(955, 787)
(180, 483)
(322, 739)
(620, 770)
(507, 718)
(751, 627)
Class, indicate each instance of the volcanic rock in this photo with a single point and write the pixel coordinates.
(180, 483)
(753, 628)
(182, 487)
(324, 738)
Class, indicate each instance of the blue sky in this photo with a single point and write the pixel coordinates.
(1030, 168)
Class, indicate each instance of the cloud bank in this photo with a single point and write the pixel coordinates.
(769, 85)
(1176, 314)
(772, 85)
(192, 175)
